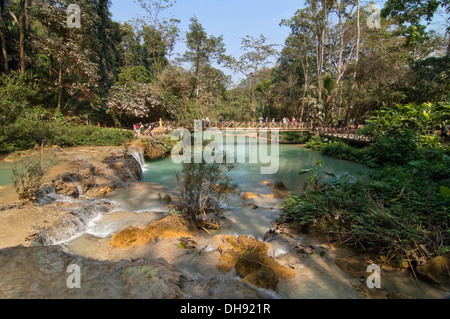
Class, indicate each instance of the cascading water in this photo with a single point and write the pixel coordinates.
(138, 154)
(83, 213)
(89, 225)
(47, 195)
(75, 223)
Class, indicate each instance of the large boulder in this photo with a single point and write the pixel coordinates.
(264, 278)
(228, 260)
(42, 273)
(66, 188)
(152, 149)
(436, 270)
(252, 262)
(249, 256)
(249, 195)
(172, 226)
(98, 179)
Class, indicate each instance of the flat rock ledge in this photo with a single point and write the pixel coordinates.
(96, 180)
(44, 273)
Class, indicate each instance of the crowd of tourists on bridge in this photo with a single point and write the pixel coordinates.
(286, 123)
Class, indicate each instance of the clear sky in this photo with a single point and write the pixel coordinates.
(234, 19)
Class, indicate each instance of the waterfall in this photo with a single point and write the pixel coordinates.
(138, 154)
(75, 224)
(79, 189)
(47, 195)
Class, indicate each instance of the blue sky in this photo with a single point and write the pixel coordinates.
(234, 19)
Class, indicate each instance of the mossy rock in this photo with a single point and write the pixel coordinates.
(252, 262)
(248, 244)
(228, 260)
(172, 226)
(436, 270)
(249, 195)
(264, 278)
(146, 271)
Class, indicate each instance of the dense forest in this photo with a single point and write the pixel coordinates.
(339, 65)
(333, 66)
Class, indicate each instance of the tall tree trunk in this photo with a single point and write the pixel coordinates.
(154, 49)
(3, 44)
(319, 82)
(341, 10)
(22, 37)
(448, 46)
(60, 88)
(358, 40)
(305, 66)
(29, 4)
(341, 44)
(322, 55)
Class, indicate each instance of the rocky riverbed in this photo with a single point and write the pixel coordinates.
(156, 254)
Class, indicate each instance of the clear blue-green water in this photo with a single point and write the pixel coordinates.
(5, 173)
(248, 177)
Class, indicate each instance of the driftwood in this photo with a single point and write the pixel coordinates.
(209, 225)
(188, 243)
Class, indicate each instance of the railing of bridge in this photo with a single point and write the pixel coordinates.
(253, 125)
(347, 133)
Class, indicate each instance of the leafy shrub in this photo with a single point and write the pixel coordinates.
(200, 199)
(27, 177)
(391, 211)
(342, 151)
(403, 133)
(15, 94)
(25, 133)
(294, 136)
(317, 143)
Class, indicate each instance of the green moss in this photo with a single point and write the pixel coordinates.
(146, 271)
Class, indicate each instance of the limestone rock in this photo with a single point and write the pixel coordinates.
(436, 270)
(248, 244)
(249, 195)
(249, 256)
(66, 188)
(264, 278)
(252, 262)
(151, 150)
(98, 179)
(172, 226)
(46, 276)
(228, 260)
(267, 183)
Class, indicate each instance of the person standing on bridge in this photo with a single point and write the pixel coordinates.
(207, 122)
(220, 122)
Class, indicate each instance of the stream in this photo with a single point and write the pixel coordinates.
(316, 275)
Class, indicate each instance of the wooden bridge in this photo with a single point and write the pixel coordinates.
(348, 134)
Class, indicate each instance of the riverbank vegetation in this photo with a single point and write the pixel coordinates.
(202, 193)
(400, 210)
(334, 66)
(337, 67)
